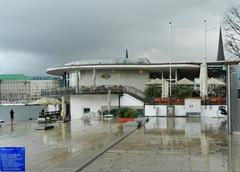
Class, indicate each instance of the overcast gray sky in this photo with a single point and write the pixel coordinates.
(35, 35)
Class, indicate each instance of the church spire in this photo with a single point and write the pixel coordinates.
(126, 56)
(220, 53)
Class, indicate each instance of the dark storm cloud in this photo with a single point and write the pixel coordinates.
(48, 33)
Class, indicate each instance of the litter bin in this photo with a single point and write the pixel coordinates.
(170, 110)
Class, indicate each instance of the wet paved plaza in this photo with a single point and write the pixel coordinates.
(163, 144)
(64, 148)
(174, 144)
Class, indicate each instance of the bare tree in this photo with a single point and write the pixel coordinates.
(232, 29)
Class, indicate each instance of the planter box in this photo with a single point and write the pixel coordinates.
(123, 120)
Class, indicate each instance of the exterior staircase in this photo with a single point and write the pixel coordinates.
(103, 89)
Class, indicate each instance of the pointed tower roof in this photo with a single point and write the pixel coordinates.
(220, 53)
(126, 56)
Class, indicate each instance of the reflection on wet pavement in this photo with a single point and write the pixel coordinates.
(174, 144)
(64, 148)
(163, 144)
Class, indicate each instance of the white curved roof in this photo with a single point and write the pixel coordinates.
(142, 60)
(126, 63)
(58, 71)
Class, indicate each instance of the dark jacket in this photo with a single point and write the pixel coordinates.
(11, 114)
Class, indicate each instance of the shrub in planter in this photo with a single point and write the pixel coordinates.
(105, 112)
(140, 112)
(120, 113)
(112, 112)
(153, 91)
(182, 91)
(127, 113)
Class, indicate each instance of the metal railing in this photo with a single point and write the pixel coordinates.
(135, 93)
(103, 89)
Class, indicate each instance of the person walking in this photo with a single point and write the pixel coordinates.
(42, 112)
(11, 118)
(11, 115)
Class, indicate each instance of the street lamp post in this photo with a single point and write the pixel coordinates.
(204, 63)
(170, 53)
(205, 40)
(205, 44)
(170, 58)
(204, 66)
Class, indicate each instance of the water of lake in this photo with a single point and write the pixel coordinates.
(21, 112)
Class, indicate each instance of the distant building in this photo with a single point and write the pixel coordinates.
(19, 88)
(39, 83)
(14, 88)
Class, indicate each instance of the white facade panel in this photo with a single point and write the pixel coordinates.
(179, 110)
(155, 110)
(211, 111)
(134, 78)
(206, 111)
(192, 105)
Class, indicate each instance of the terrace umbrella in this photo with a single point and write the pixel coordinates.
(203, 79)
(213, 81)
(45, 101)
(150, 82)
(184, 81)
(165, 88)
(156, 81)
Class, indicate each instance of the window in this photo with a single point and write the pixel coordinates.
(86, 110)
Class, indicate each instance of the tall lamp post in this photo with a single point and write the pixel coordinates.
(204, 75)
(205, 40)
(170, 57)
(170, 53)
(205, 44)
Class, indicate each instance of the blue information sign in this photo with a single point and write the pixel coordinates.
(12, 159)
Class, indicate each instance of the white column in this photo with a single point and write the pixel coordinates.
(94, 79)
(63, 111)
(176, 76)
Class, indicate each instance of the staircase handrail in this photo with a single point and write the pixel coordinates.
(115, 89)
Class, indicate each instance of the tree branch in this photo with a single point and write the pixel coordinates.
(232, 30)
